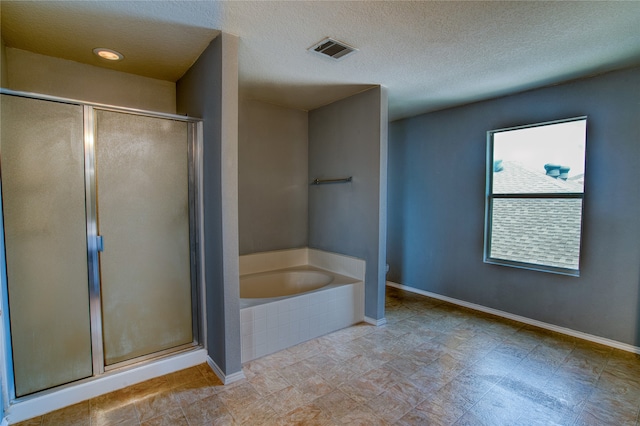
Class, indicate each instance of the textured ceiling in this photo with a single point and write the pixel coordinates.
(430, 55)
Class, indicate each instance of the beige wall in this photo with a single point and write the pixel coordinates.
(3, 64)
(31, 72)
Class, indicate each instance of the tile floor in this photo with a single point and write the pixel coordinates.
(433, 364)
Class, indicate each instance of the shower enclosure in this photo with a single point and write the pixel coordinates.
(100, 218)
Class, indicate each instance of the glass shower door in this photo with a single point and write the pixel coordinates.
(142, 171)
(43, 198)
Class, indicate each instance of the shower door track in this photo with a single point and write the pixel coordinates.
(95, 304)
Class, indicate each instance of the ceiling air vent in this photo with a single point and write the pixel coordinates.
(330, 48)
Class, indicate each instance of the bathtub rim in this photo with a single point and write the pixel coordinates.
(286, 258)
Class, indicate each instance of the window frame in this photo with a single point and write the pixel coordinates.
(490, 197)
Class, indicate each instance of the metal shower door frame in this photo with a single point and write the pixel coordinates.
(194, 153)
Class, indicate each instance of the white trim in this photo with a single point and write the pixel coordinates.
(4, 422)
(224, 378)
(109, 382)
(376, 322)
(563, 330)
(239, 375)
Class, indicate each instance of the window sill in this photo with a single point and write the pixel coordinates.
(533, 267)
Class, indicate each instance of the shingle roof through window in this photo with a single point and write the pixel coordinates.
(517, 178)
(538, 231)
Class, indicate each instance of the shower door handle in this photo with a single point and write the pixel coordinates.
(99, 244)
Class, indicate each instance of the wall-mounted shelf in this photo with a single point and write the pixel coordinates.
(326, 181)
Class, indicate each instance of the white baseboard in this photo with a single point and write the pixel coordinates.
(72, 394)
(376, 322)
(579, 334)
(223, 377)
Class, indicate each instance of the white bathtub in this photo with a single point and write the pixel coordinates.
(286, 282)
(283, 307)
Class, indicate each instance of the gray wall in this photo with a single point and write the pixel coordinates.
(436, 207)
(346, 138)
(272, 181)
(209, 90)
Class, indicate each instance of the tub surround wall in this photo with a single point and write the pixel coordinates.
(344, 265)
(277, 325)
(436, 208)
(209, 90)
(32, 72)
(268, 261)
(272, 183)
(348, 138)
(281, 259)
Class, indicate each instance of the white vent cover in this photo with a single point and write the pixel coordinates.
(334, 49)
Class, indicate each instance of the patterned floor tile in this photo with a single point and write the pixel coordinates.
(432, 364)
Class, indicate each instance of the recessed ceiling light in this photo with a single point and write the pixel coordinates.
(108, 54)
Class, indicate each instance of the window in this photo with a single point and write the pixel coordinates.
(535, 189)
